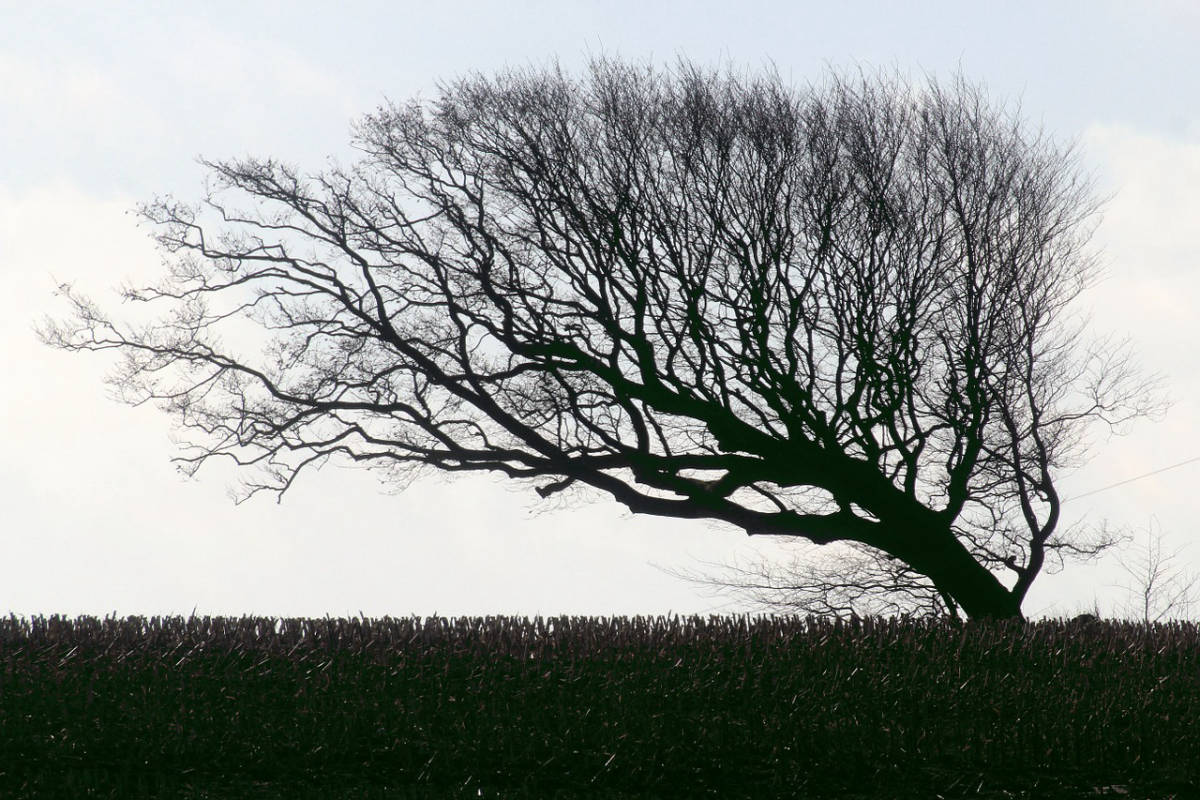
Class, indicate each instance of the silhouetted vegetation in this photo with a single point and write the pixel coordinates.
(843, 312)
(593, 707)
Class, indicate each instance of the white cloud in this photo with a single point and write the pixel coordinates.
(1150, 243)
(95, 517)
(1150, 239)
(1152, 221)
(105, 121)
(97, 520)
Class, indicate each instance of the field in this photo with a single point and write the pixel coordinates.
(617, 707)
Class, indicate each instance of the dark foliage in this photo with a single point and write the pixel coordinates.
(638, 707)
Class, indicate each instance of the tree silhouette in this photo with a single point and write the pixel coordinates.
(1160, 586)
(841, 313)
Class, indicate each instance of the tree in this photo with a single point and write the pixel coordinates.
(840, 580)
(1159, 585)
(841, 313)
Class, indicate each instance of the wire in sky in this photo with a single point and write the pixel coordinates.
(1134, 478)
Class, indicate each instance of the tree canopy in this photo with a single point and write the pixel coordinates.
(843, 312)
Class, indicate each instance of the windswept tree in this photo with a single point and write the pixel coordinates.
(840, 313)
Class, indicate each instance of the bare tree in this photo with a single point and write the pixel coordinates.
(838, 580)
(841, 313)
(853, 580)
(1160, 585)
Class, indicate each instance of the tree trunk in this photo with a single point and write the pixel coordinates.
(942, 558)
(978, 592)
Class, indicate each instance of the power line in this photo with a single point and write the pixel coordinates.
(1134, 478)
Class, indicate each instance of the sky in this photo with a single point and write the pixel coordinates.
(105, 105)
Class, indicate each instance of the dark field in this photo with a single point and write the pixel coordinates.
(588, 707)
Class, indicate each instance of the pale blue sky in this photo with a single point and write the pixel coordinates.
(106, 104)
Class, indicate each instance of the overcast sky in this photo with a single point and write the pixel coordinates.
(104, 105)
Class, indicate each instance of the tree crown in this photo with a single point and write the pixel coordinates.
(842, 313)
